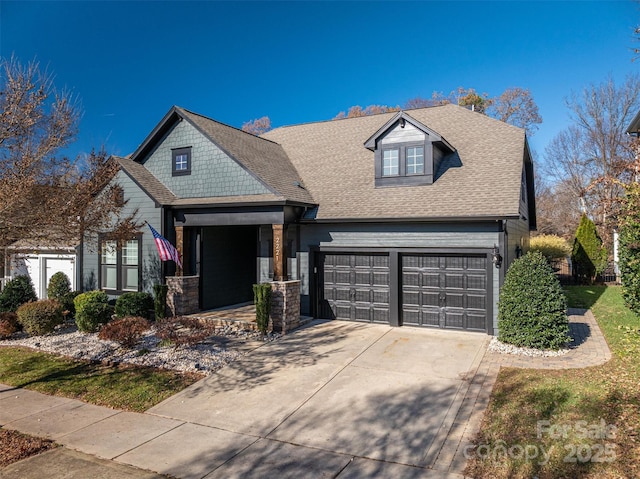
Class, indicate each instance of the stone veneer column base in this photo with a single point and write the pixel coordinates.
(183, 295)
(285, 305)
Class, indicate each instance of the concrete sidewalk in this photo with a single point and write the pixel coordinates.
(333, 399)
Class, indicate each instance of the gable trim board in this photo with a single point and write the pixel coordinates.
(432, 242)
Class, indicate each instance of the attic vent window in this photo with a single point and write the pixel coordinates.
(181, 161)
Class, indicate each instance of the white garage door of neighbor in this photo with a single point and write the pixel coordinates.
(52, 266)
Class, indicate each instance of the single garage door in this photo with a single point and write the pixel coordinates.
(355, 287)
(445, 291)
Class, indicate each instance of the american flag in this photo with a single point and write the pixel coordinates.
(165, 248)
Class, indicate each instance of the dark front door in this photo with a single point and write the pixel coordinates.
(445, 291)
(228, 265)
(355, 287)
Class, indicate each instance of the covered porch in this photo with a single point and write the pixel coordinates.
(225, 251)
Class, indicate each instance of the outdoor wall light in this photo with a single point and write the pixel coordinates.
(495, 256)
(518, 251)
(402, 122)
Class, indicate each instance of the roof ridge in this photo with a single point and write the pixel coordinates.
(223, 124)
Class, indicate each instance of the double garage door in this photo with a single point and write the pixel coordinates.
(433, 290)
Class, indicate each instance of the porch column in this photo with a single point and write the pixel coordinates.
(279, 253)
(180, 245)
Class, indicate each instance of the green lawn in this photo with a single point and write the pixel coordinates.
(121, 387)
(557, 416)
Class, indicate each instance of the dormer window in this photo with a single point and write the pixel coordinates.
(415, 160)
(390, 162)
(406, 152)
(181, 161)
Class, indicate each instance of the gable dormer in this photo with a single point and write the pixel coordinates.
(406, 152)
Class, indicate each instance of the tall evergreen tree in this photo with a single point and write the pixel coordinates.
(589, 256)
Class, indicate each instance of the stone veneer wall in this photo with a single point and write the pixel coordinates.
(183, 294)
(285, 305)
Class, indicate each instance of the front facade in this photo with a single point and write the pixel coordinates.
(407, 218)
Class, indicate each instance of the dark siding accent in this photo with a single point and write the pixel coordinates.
(228, 265)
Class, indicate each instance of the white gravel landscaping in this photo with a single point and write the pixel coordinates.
(503, 348)
(204, 358)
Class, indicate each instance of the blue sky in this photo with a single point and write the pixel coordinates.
(296, 62)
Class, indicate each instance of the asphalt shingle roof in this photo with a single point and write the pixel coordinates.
(482, 178)
(149, 183)
(265, 159)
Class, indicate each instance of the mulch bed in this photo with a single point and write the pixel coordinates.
(15, 446)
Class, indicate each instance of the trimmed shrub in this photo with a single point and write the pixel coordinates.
(532, 307)
(59, 285)
(551, 246)
(92, 310)
(589, 257)
(134, 304)
(9, 324)
(160, 300)
(40, 317)
(67, 302)
(126, 331)
(262, 300)
(183, 331)
(17, 292)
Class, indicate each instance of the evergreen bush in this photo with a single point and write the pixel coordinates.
(589, 257)
(160, 300)
(40, 317)
(134, 304)
(629, 248)
(262, 301)
(551, 246)
(67, 302)
(17, 292)
(9, 324)
(59, 285)
(92, 310)
(532, 307)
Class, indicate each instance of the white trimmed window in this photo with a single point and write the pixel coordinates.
(415, 160)
(390, 162)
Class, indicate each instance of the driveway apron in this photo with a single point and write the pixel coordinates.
(344, 389)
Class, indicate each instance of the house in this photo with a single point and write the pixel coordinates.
(408, 218)
(40, 261)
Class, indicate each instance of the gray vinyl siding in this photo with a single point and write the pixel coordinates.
(401, 135)
(394, 236)
(213, 173)
(147, 210)
(517, 235)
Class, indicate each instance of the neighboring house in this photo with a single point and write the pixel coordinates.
(406, 218)
(40, 262)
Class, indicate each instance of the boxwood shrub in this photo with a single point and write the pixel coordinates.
(532, 311)
(92, 310)
(40, 317)
(134, 304)
(17, 292)
(59, 285)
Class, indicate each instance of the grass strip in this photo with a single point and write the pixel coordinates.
(117, 386)
(577, 423)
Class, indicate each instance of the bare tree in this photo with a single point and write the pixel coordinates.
(516, 107)
(257, 126)
(593, 155)
(45, 196)
(357, 111)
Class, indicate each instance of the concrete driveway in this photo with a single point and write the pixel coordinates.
(332, 399)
